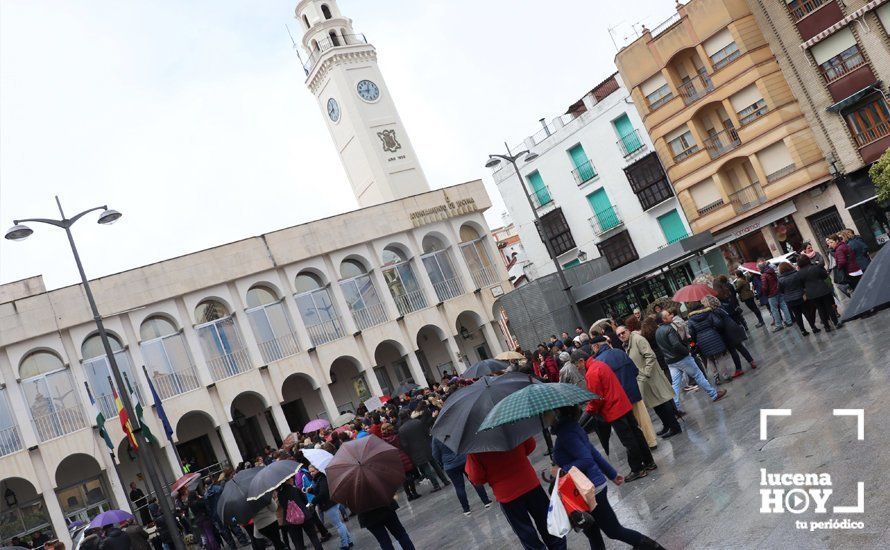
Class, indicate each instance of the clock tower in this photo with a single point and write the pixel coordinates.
(358, 109)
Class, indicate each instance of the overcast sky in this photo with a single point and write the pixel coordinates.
(192, 118)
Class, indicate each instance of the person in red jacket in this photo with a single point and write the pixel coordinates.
(516, 487)
(551, 365)
(616, 410)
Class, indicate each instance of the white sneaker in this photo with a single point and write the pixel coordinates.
(467, 513)
(487, 506)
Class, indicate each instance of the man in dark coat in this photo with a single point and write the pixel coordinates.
(417, 443)
(137, 535)
(115, 539)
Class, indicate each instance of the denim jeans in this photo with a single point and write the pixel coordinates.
(457, 479)
(687, 365)
(333, 514)
(390, 525)
(778, 308)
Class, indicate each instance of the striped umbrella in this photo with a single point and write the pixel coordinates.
(534, 400)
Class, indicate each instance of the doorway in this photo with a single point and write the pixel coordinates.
(296, 415)
(823, 224)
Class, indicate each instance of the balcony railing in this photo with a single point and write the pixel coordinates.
(842, 64)
(666, 95)
(326, 331)
(752, 112)
(605, 220)
(747, 198)
(630, 143)
(781, 173)
(328, 43)
(410, 302)
(726, 56)
(802, 8)
(229, 364)
(722, 142)
(10, 440)
(485, 276)
(685, 154)
(368, 316)
(541, 197)
(870, 135)
(584, 173)
(448, 289)
(675, 238)
(697, 87)
(174, 383)
(58, 423)
(708, 208)
(279, 348)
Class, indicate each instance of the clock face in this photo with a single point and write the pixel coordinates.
(367, 90)
(333, 109)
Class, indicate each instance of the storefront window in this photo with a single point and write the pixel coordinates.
(788, 235)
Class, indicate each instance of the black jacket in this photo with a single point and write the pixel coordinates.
(814, 279)
(138, 537)
(322, 492)
(791, 286)
(672, 347)
(416, 441)
(115, 540)
(705, 329)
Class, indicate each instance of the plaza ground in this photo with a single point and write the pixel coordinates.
(705, 493)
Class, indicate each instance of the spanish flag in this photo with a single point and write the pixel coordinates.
(125, 420)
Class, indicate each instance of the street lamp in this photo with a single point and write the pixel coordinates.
(20, 231)
(528, 156)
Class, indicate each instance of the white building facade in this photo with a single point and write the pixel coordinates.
(579, 184)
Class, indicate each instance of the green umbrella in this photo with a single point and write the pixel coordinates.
(534, 400)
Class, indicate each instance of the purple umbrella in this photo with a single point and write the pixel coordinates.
(111, 517)
(315, 425)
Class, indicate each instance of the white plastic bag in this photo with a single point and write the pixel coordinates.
(557, 520)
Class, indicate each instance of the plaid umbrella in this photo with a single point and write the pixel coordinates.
(534, 400)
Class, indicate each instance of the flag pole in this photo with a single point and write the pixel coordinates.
(158, 411)
(117, 469)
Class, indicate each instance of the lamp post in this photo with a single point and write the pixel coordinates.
(19, 232)
(527, 156)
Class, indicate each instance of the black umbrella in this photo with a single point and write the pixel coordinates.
(485, 367)
(271, 477)
(405, 387)
(233, 500)
(464, 411)
(873, 290)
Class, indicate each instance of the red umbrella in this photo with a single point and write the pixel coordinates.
(693, 293)
(183, 481)
(751, 266)
(365, 474)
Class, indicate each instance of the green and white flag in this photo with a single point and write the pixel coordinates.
(137, 408)
(100, 418)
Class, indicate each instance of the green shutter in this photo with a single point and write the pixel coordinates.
(625, 130)
(602, 209)
(540, 192)
(583, 168)
(573, 263)
(672, 226)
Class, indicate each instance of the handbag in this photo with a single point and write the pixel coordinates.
(584, 486)
(557, 519)
(571, 498)
(839, 276)
(294, 515)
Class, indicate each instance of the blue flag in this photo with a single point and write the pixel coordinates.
(159, 408)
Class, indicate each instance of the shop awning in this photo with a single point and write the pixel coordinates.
(853, 98)
(754, 224)
(638, 268)
(842, 23)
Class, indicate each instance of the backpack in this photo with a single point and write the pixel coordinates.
(294, 515)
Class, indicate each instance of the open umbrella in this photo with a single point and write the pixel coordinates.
(318, 458)
(405, 387)
(183, 482)
(343, 420)
(509, 356)
(693, 293)
(458, 422)
(111, 517)
(873, 290)
(271, 477)
(751, 267)
(484, 368)
(365, 474)
(233, 501)
(534, 400)
(315, 425)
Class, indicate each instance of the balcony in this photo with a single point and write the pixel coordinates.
(726, 56)
(847, 73)
(686, 153)
(584, 173)
(330, 43)
(59, 422)
(747, 198)
(752, 112)
(176, 382)
(369, 316)
(229, 364)
(325, 331)
(278, 348)
(10, 440)
(605, 220)
(814, 16)
(485, 276)
(722, 142)
(712, 207)
(448, 289)
(541, 197)
(409, 302)
(659, 97)
(631, 144)
(872, 142)
(696, 88)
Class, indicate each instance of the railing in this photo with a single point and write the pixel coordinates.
(10, 440)
(409, 302)
(781, 173)
(708, 208)
(584, 173)
(686, 153)
(174, 383)
(747, 198)
(229, 364)
(872, 134)
(326, 44)
(106, 405)
(326, 331)
(722, 142)
(541, 197)
(486, 276)
(676, 239)
(630, 143)
(605, 220)
(697, 87)
(842, 64)
(448, 289)
(729, 54)
(665, 25)
(368, 316)
(279, 348)
(802, 8)
(752, 112)
(58, 423)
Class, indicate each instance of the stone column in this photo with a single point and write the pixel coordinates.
(117, 484)
(416, 369)
(328, 400)
(730, 111)
(367, 368)
(705, 59)
(53, 509)
(455, 353)
(494, 343)
(229, 442)
(280, 420)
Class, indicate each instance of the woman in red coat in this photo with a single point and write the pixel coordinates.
(389, 435)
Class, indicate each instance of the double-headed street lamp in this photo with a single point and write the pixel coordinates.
(19, 232)
(528, 156)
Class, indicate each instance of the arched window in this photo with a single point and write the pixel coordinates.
(210, 310)
(314, 45)
(156, 327)
(361, 295)
(335, 41)
(306, 22)
(92, 346)
(220, 340)
(440, 269)
(98, 371)
(49, 392)
(476, 255)
(401, 281)
(271, 324)
(167, 358)
(326, 11)
(317, 309)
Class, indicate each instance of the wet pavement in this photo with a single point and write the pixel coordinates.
(706, 491)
